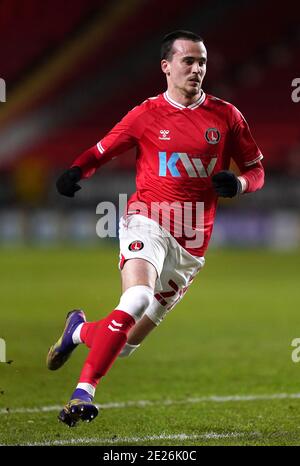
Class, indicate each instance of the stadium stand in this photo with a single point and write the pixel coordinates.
(113, 73)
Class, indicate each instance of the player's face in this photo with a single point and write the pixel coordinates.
(186, 70)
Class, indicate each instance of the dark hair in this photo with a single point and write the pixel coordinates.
(166, 51)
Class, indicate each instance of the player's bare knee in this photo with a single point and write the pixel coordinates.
(135, 300)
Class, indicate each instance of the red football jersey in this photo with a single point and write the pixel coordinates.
(179, 149)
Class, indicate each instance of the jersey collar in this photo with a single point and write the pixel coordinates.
(192, 106)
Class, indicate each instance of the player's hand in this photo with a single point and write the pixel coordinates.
(226, 184)
(67, 182)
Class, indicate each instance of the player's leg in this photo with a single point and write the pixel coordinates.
(143, 252)
(179, 271)
(152, 318)
(110, 335)
(140, 229)
(132, 275)
(77, 330)
(135, 274)
(86, 332)
(154, 315)
(141, 330)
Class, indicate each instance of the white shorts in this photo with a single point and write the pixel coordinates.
(143, 238)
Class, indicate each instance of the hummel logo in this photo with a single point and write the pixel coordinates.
(164, 135)
(113, 329)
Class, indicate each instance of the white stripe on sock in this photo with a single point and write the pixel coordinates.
(87, 387)
(127, 350)
(76, 335)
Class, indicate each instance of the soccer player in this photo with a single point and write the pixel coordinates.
(185, 140)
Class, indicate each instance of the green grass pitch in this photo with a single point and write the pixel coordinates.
(230, 336)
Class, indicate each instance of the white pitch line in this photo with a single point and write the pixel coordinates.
(99, 440)
(145, 403)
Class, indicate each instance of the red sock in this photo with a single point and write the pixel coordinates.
(110, 335)
(88, 331)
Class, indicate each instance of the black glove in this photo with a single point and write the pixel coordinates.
(67, 182)
(226, 184)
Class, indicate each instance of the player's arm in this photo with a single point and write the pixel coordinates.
(247, 156)
(251, 178)
(228, 184)
(122, 137)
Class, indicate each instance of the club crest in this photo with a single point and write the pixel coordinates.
(136, 246)
(212, 135)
